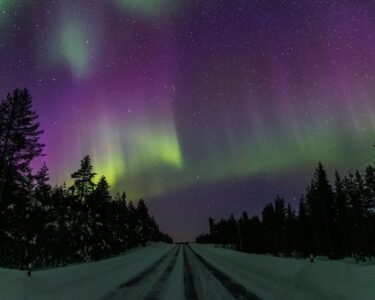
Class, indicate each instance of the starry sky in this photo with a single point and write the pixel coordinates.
(202, 107)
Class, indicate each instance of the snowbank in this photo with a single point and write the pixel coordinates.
(284, 278)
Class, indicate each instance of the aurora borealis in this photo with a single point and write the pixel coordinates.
(201, 107)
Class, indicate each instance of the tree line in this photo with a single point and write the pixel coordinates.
(53, 226)
(331, 220)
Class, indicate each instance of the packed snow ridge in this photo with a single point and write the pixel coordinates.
(165, 271)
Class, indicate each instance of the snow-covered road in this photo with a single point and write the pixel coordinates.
(181, 273)
(155, 272)
(162, 271)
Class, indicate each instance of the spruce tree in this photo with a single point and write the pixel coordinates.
(320, 201)
(290, 231)
(143, 226)
(211, 224)
(369, 203)
(305, 238)
(359, 213)
(98, 207)
(341, 207)
(133, 237)
(42, 178)
(83, 179)
(19, 145)
(268, 222)
(19, 141)
(279, 225)
(120, 228)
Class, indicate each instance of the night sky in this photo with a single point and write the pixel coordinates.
(202, 107)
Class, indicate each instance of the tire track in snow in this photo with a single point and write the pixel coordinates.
(190, 291)
(159, 286)
(133, 282)
(237, 290)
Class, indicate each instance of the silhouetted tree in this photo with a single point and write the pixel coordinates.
(19, 141)
(59, 225)
(83, 179)
(279, 225)
(333, 222)
(268, 222)
(305, 241)
(320, 203)
(342, 221)
(291, 228)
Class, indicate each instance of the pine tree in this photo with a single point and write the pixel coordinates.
(83, 179)
(133, 236)
(19, 145)
(102, 189)
(99, 210)
(120, 228)
(369, 200)
(56, 226)
(211, 224)
(143, 226)
(320, 201)
(279, 225)
(305, 239)
(232, 231)
(290, 231)
(81, 213)
(369, 203)
(359, 215)
(334, 222)
(38, 216)
(268, 222)
(244, 226)
(341, 207)
(19, 141)
(42, 178)
(256, 237)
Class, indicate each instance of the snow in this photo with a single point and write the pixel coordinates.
(284, 278)
(84, 281)
(158, 271)
(175, 285)
(214, 290)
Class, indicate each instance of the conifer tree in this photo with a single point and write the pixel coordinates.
(320, 201)
(279, 224)
(369, 203)
(359, 214)
(268, 222)
(98, 207)
(305, 239)
(143, 226)
(19, 141)
(83, 179)
(342, 221)
(42, 178)
(290, 231)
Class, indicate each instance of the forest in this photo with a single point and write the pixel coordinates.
(55, 225)
(336, 221)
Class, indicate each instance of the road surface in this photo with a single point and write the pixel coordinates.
(168, 271)
(158, 271)
(181, 273)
